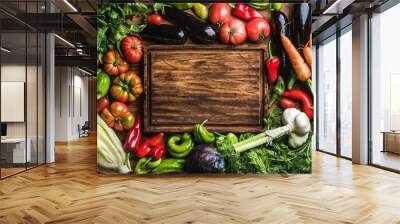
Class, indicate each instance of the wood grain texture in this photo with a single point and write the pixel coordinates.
(185, 86)
(70, 191)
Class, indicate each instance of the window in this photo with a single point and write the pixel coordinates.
(326, 135)
(334, 102)
(22, 75)
(385, 89)
(346, 94)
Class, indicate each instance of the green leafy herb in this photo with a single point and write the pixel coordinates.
(159, 7)
(228, 153)
(113, 26)
(276, 158)
(274, 119)
(278, 90)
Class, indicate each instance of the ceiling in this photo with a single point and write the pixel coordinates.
(72, 20)
(75, 21)
(332, 15)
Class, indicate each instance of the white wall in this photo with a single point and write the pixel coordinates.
(71, 102)
(16, 73)
(61, 103)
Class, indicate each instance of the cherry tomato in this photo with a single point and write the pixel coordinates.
(154, 19)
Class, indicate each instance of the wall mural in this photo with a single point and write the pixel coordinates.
(204, 88)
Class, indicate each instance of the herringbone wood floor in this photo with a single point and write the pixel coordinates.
(70, 191)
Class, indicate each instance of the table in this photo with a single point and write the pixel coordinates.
(391, 141)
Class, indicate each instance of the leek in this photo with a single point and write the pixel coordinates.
(110, 153)
(296, 125)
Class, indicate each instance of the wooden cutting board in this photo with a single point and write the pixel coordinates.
(185, 85)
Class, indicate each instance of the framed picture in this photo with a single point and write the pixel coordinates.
(204, 88)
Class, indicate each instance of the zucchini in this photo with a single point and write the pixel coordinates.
(198, 30)
(164, 34)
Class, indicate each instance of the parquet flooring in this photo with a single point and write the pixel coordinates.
(70, 191)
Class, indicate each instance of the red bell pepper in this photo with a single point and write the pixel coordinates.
(272, 65)
(246, 13)
(306, 101)
(146, 147)
(158, 151)
(134, 137)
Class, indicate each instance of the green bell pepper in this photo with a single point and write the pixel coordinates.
(103, 83)
(182, 6)
(170, 166)
(180, 146)
(259, 5)
(201, 135)
(145, 165)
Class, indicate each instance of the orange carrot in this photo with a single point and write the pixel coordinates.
(308, 55)
(300, 67)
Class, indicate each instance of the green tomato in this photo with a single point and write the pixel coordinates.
(200, 10)
(103, 83)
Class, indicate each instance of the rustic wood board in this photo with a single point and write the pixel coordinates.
(186, 85)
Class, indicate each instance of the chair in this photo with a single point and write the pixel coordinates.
(84, 129)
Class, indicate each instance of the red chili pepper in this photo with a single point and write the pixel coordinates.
(288, 103)
(158, 151)
(272, 64)
(306, 101)
(245, 12)
(134, 136)
(145, 148)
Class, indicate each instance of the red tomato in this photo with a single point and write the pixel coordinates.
(118, 109)
(257, 29)
(154, 19)
(132, 48)
(114, 64)
(123, 119)
(102, 103)
(233, 32)
(220, 13)
(108, 117)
